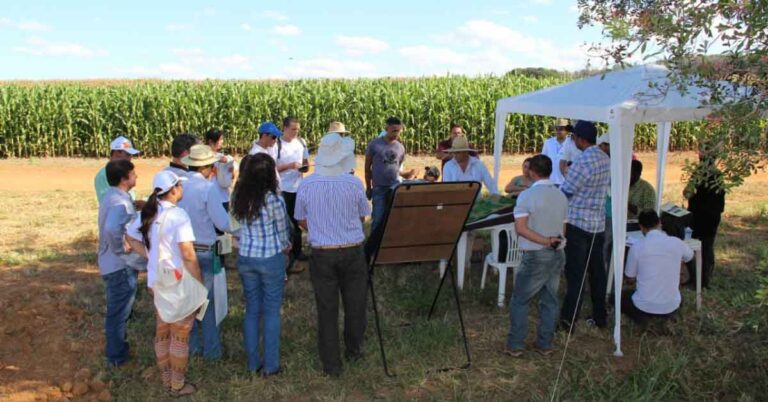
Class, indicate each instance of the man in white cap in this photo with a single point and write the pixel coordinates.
(555, 144)
(335, 234)
(202, 202)
(120, 148)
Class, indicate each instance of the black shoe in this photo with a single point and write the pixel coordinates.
(353, 357)
(272, 374)
(302, 257)
(332, 373)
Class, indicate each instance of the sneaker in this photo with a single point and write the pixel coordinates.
(544, 352)
(595, 323)
(512, 352)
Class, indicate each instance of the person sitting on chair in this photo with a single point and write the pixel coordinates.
(540, 216)
(654, 264)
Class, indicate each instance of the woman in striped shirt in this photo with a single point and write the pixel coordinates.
(264, 241)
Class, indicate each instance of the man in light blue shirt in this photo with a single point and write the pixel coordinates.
(116, 211)
(120, 148)
(203, 204)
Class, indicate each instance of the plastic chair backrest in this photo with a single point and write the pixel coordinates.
(508, 235)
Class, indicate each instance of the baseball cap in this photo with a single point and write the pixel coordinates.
(586, 130)
(165, 180)
(123, 144)
(270, 128)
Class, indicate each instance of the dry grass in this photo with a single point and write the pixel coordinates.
(52, 303)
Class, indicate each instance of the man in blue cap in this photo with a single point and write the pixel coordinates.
(267, 142)
(586, 184)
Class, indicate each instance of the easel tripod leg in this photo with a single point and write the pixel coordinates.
(461, 317)
(378, 327)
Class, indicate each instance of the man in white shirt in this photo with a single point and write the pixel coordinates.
(292, 162)
(568, 153)
(463, 167)
(267, 142)
(554, 145)
(654, 263)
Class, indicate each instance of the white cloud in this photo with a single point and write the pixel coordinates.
(24, 25)
(172, 71)
(176, 27)
(187, 52)
(531, 19)
(40, 47)
(246, 27)
(286, 30)
(432, 56)
(274, 15)
(574, 8)
(359, 45)
(330, 68)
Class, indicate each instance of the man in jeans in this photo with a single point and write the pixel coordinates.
(383, 159)
(202, 202)
(337, 262)
(540, 215)
(585, 185)
(116, 210)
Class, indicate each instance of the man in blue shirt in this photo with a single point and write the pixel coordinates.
(116, 210)
(585, 185)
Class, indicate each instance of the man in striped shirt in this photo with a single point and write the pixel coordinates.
(585, 185)
(335, 234)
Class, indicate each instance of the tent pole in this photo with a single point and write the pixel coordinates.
(663, 130)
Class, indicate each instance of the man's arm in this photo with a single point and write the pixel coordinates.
(521, 226)
(574, 180)
(490, 184)
(216, 210)
(189, 258)
(632, 262)
(563, 167)
(137, 246)
(288, 166)
(117, 218)
(687, 251)
(368, 174)
(303, 224)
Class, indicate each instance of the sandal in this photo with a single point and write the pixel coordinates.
(187, 390)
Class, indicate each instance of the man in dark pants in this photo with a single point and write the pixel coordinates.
(337, 262)
(292, 161)
(706, 202)
(586, 185)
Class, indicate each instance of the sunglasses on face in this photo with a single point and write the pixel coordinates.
(274, 137)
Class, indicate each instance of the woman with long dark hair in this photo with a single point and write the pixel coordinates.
(264, 241)
(164, 235)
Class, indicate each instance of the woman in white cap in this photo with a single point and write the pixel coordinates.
(264, 242)
(164, 235)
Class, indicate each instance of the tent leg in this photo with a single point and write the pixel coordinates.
(378, 325)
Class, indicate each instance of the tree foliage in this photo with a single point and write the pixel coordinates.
(718, 45)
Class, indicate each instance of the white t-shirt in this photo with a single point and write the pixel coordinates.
(655, 262)
(224, 176)
(569, 152)
(552, 149)
(176, 229)
(291, 152)
(271, 151)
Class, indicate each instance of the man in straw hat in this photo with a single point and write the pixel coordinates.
(555, 144)
(463, 167)
(119, 148)
(335, 234)
(456, 130)
(202, 202)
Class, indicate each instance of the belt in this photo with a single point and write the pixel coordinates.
(202, 247)
(336, 247)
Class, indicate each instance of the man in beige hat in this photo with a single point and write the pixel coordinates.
(554, 145)
(463, 167)
(337, 262)
(202, 202)
(442, 147)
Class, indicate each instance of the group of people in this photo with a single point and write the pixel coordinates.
(265, 201)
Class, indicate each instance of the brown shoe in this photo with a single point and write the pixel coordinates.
(544, 352)
(512, 352)
(296, 269)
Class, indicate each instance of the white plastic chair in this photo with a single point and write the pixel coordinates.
(512, 259)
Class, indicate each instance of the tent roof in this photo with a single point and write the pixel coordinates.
(602, 98)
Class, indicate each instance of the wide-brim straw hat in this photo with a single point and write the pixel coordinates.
(561, 123)
(460, 144)
(337, 127)
(335, 155)
(200, 155)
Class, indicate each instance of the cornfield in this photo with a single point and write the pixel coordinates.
(81, 118)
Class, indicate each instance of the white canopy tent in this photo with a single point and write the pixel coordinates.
(621, 99)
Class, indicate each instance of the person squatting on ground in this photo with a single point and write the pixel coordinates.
(116, 210)
(335, 234)
(202, 202)
(164, 235)
(265, 232)
(654, 265)
(586, 185)
(540, 215)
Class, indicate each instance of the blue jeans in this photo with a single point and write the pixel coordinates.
(538, 275)
(380, 200)
(263, 283)
(121, 293)
(211, 347)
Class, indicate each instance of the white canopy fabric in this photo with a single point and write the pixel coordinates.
(621, 99)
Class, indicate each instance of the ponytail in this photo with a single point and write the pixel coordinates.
(148, 213)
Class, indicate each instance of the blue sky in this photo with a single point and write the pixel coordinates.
(289, 39)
